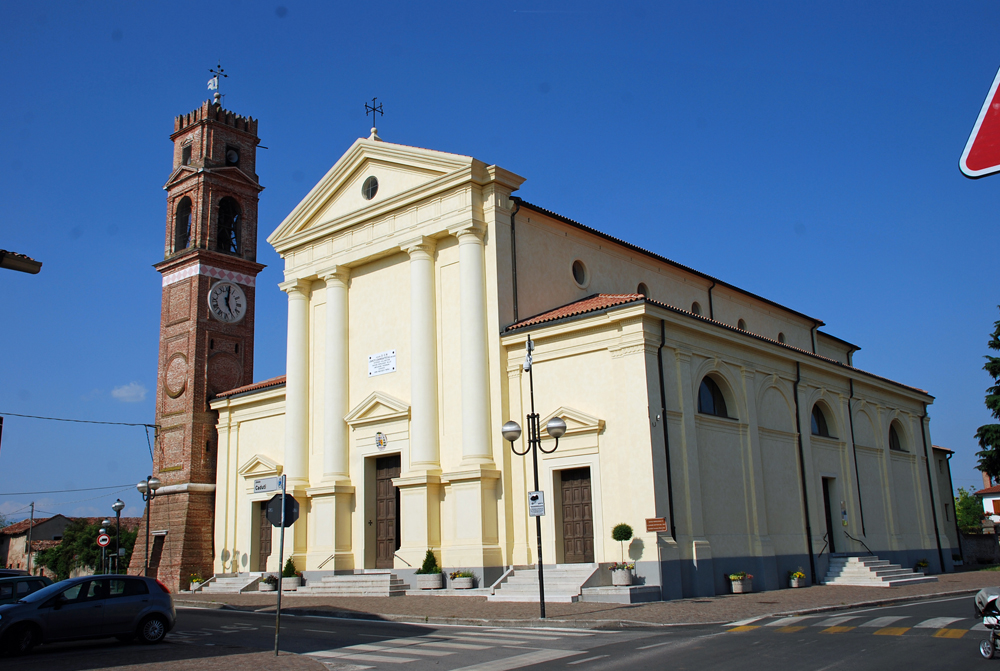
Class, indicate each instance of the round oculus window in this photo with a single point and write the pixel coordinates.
(370, 188)
(580, 273)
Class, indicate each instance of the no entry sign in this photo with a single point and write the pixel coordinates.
(982, 152)
(104, 540)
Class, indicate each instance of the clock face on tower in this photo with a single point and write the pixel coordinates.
(227, 302)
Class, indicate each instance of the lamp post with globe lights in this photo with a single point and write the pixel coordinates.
(147, 488)
(118, 506)
(104, 550)
(511, 431)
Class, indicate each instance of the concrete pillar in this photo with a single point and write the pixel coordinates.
(475, 365)
(297, 384)
(335, 383)
(424, 449)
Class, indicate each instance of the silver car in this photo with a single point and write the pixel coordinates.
(125, 607)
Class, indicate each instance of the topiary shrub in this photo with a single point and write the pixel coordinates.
(621, 533)
(289, 570)
(430, 564)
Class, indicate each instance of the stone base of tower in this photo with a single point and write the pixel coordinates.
(180, 537)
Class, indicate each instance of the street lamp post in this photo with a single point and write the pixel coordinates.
(555, 427)
(104, 550)
(117, 506)
(147, 488)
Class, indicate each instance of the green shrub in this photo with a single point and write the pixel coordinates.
(289, 570)
(621, 533)
(430, 564)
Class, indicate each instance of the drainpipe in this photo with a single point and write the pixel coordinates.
(802, 473)
(930, 489)
(813, 334)
(663, 423)
(954, 516)
(854, 449)
(513, 252)
(711, 309)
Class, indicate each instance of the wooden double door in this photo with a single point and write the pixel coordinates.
(264, 538)
(386, 511)
(577, 517)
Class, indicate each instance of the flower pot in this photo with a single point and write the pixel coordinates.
(744, 586)
(621, 578)
(796, 582)
(266, 587)
(291, 584)
(462, 583)
(430, 581)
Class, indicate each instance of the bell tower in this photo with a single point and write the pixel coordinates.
(206, 329)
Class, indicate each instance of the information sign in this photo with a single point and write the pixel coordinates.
(656, 524)
(267, 485)
(382, 363)
(536, 504)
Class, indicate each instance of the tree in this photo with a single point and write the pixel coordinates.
(969, 512)
(79, 548)
(988, 435)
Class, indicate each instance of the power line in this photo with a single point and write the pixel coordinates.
(78, 421)
(60, 491)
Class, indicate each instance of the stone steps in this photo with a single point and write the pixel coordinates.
(563, 584)
(871, 572)
(362, 584)
(231, 585)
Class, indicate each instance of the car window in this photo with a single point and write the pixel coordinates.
(22, 588)
(135, 588)
(45, 593)
(6, 591)
(73, 593)
(96, 589)
(35, 584)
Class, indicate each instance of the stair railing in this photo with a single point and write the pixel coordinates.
(826, 542)
(493, 587)
(858, 540)
(323, 563)
(402, 560)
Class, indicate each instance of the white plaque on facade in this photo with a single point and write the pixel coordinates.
(536, 504)
(266, 485)
(382, 363)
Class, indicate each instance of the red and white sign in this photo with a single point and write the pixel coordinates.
(982, 152)
(104, 540)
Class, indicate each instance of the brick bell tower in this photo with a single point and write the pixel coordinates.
(206, 329)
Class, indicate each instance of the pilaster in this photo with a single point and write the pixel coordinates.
(336, 383)
(297, 383)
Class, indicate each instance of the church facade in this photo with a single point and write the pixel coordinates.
(729, 431)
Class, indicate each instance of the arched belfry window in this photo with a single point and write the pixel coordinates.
(710, 399)
(182, 225)
(819, 425)
(229, 226)
(894, 442)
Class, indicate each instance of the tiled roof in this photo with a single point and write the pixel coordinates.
(22, 526)
(38, 546)
(18, 528)
(599, 302)
(995, 489)
(256, 386)
(943, 449)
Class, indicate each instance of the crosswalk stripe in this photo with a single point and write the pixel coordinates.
(496, 641)
(743, 623)
(528, 637)
(836, 621)
(891, 631)
(518, 661)
(879, 622)
(837, 630)
(936, 622)
(745, 627)
(978, 627)
(790, 629)
(785, 621)
(408, 649)
(950, 633)
(542, 633)
(364, 657)
(455, 646)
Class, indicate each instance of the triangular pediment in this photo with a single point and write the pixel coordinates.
(259, 466)
(186, 172)
(576, 421)
(378, 407)
(399, 169)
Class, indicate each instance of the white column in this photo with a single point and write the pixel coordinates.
(475, 365)
(297, 383)
(335, 386)
(424, 450)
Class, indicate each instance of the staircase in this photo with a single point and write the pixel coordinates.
(871, 572)
(359, 584)
(563, 583)
(232, 585)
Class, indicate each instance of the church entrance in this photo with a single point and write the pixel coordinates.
(577, 517)
(386, 511)
(264, 542)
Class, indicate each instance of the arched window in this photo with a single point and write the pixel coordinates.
(894, 442)
(781, 337)
(229, 226)
(819, 425)
(696, 308)
(642, 289)
(710, 399)
(182, 225)
(741, 325)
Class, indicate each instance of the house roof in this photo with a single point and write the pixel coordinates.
(256, 386)
(18, 528)
(943, 449)
(601, 302)
(21, 527)
(995, 489)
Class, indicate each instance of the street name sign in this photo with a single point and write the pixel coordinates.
(104, 540)
(267, 485)
(274, 510)
(536, 504)
(982, 152)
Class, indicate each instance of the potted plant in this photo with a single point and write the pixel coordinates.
(796, 578)
(621, 574)
(462, 579)
(269, 583)
(429, 574)
(921, 564)
(742, 582)
(290, 578)
(195, 581)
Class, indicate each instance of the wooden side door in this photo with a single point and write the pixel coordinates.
(264, 545)
(386, 511)
(577, 517)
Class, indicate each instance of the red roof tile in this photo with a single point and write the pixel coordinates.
(995, 489)
(588, 304)
(256, 386)
(943, 449)
(22, 526)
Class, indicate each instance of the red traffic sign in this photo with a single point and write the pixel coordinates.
(982, 152)
(104, 540)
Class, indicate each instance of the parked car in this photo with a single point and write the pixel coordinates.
(12, 589)
(7, 572)
(125, 607)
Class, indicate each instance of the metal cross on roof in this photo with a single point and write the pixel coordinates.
(373, 108)
(213, 83)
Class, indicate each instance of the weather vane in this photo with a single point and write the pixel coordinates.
(373, 108)
(213, 83)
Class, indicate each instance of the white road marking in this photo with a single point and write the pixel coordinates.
(531, 636)
(937, 622)
(835, 621)
(550, 631)
(785, 621)
(518, 661)
(979, 627)
(589, 659)
(474, 638)
(321, 631)
(655, 645)
(455, 646)
(408, 649)
(360, 656)
(743, 623)
(880, 622)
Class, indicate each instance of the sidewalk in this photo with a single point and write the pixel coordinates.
(708, 610)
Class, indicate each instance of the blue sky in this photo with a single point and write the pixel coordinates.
(807, 152)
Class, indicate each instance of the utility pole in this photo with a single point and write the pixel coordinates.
(30, 524)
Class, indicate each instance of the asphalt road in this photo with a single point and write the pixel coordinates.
(926, 635)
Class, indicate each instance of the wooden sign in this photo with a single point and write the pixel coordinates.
(658, 524)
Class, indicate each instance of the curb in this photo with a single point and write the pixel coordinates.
(872, 604)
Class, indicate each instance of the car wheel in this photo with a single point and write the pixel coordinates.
(152, 629)
(19, 640)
